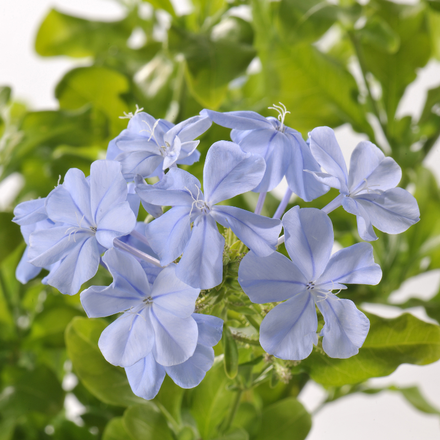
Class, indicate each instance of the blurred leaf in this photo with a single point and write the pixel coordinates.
(32, 391)
(230, 353)
(210, 401)
(234, 434)
(7, 428)
(166, 5)
(285, 420)
(170, 397)
(10, 235)
(390, 343)
(108, 383)
(62, 34)
(67, 430)
(416, 399)
(434, 4)
(90, 153)
(98, 86)
(5, 96)
(380, 35)
(146, 422)
(115, 430)
(248, 418)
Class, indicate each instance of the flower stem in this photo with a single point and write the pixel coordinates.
(139, 236)
(284, 202)
(335, 203)
(260, 202)
(135, 252)
(233, 411)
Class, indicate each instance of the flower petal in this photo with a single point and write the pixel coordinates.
(26, 271)
(230, 171)
(241, 120)
(128, 339)
(365, 227)
(328, 153)
(210, 329)
(176, 338)
(258, 233)
(139, 162)
(30, 212)
(269, 279)
(345, 327)
(201, 265)
(192, 128)
(145, 377)
(289, 330)
(309, 240)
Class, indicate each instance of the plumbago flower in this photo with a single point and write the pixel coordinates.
(228, 172)
(369, 189)
(282, 148)
(87, 215)
(289, 330)
(149, 146)
(146, 376)
(157, 320)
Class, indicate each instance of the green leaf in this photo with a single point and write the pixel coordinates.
(166, 5)
(115, 430)
(5, 96)
(146, 422)
(390, 343)
(285, 420)
(234, 434)
(97, 86)
(170, 398)
(210, 401)
(380, 35)
(106, 382)
(10, 236)
(230, 353)
(248, 418)
(7, 427)
(62, 34)
(32, 391)
(416, 399)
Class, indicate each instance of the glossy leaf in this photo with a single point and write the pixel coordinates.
(115, 430)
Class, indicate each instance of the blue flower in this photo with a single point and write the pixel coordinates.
(146, 376)
(228, 172)
(156, 320)
(149, 146)
(369, 189)
(282, 148)
(88, 214)
(289, 330)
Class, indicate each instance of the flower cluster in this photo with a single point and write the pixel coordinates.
(159, 268)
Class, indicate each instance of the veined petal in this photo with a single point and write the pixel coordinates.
(128, 339)
(325, 179)
(393, 211)
(130, 143)
(169, 234)
(190, 159)
(172, 294)
(145, 377)
(230, 171)
(201, 265)
(78, 187)
(118, 220)
(26, 271)
(187, 148)
(210, 329)
(107, 187)
(345, 327)
(258, 233)
(192, 128)
(365, 227)
(30, 212)
(142, 124)
(298, 175)
(241, 120)
(176, 338)
(270, 279)
(191, 372)
(328, 153)
(352, 265)
(309, 240)
(289, 330)
(77, 267)
(139, 162)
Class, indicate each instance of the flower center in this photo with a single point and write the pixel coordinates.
(282, 112)
(198, 202)
(148, 301)
(365, 187)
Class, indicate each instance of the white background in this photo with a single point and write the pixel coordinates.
(360, 417)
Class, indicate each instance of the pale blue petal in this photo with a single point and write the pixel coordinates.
(191, 372)
(328, 153)
(210, 329)
(187, 149)
(118, 220)
(78, 187)
(26, 271)
(229, 171)
(112, 150)
(289, 330)
(139, 162)
(201, 265)
(191, 159)
(145, 377)
(30, 212)
(298, 175)
(345, 327)
(352, 265)
(325, 179)
(141, 124)
(172, 294)
(131, 143)
(258, 233)
(365, 227)
(176, 338)
(241, 120)
(77, 267)
(270, 279)
(309, 240)
(133, 199)
(128, 339)
(169, 234)
(192, 128)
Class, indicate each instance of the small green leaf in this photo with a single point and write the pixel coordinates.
(285, 420)
(165, 5)
(380, 35)
(115, 430)
(234, 434)
(106, 382)
(230, 353)
(416, 399)
(390, 343)
(146, 422)
(10, 236)
(5, 96)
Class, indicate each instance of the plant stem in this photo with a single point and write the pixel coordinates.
(260, 203)
(283, 204)
(233, 411)
(135, 252)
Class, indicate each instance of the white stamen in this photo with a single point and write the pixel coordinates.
(199, 204)
(282, 112)
(367, 188)
(130, 114)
